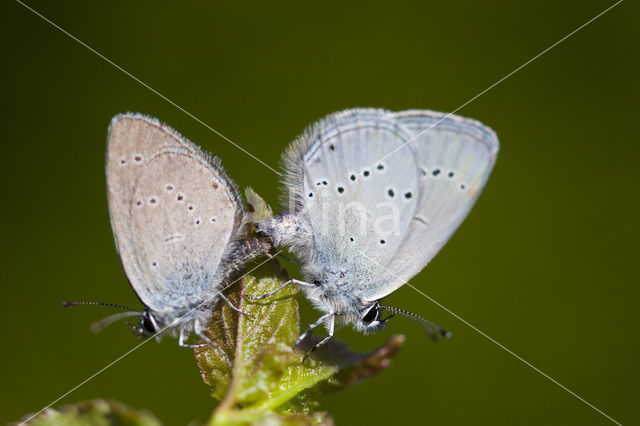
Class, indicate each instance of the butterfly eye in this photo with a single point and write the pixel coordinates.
(372, 315)
(147, 323)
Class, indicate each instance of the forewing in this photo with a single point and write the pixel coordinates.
(359, 206)
(173, 212)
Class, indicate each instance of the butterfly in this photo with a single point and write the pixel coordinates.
(179, 224)
(371, 197)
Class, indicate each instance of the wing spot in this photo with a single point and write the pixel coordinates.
(366, 173)
(391, 192)
(450, 175)
(153, 199)
(139, 203)
(137, 158)
(340, 189)
(214, 185)
(310, 194)
(332, 147)
(213, 219)
(408, 195)
(168, 187)
(462, 186)
(180, 197)
(190, 207)
(324, 182)
(380, 167)
(351, 239)
(352, 177)
(435, 172)
(197, 222)
(383, 242)
(154, 264)
(123, 161)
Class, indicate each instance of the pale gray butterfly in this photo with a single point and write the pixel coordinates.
(179, 223)
(373, 196)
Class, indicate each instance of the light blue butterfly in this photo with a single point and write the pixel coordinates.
(373, 195)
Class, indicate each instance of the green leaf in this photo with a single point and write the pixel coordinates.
(97, 412)
(267, 372)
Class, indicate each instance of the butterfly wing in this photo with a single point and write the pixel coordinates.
(358, 205)
(174, 212)
(455, 156)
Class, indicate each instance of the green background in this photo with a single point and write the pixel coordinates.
(546, 263)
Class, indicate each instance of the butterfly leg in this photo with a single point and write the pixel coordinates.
(271, 293)
(232, 306)
(331, 323)
(199, 331)
(183, 344)
(315, 324)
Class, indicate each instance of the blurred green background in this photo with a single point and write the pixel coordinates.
(546, 263)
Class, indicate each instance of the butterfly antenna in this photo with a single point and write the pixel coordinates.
(98, 326)
(432, 329)
(113, 305)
